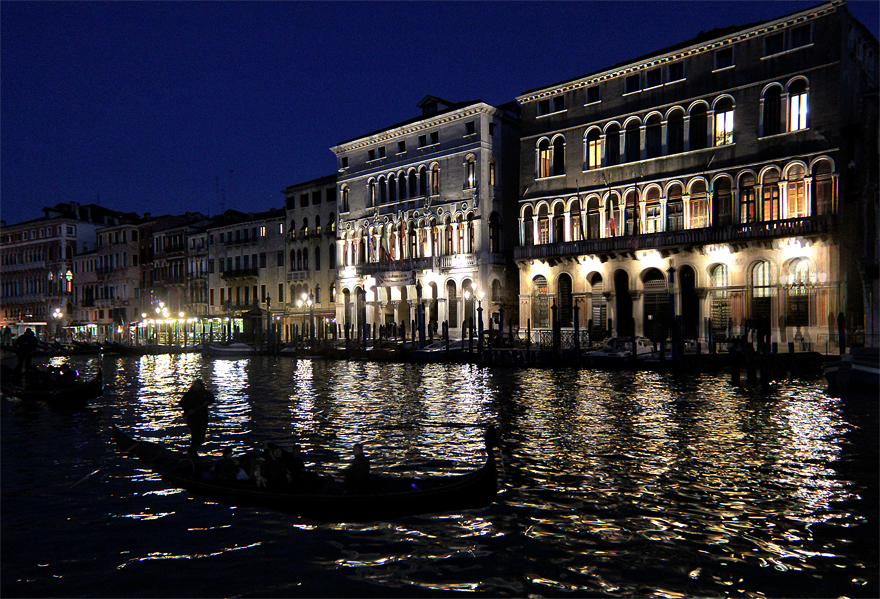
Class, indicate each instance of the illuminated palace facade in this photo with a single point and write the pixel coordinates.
(721, 183)
(427, 212)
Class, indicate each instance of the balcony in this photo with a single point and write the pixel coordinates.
(733, 234)
(241, 273)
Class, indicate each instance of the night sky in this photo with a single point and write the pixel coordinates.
(202, 106)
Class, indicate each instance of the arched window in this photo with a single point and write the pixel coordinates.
(631, 210)
(292, 260)
(699, 127)
(305, 259)
(492, 173)
(576, 219)
(720, 307)
(593, 218)
(633, 141)
(823, 188)
(748, 208)
(543, 158)
(332, 255)
(528, 227)
(435, 179)
(558, 156)
(392, 189)
(653, 137)
(423, 181)
(611, 215)
(317, 225)
(559, 224)
(612, 145)
(543, 225)
(724, 122)
(331, 223)
(770, 195)
(402, 186)
(345, 207)
(383, 191)
(761, 291)
(800, 294)
(675, 132)
(470, 173)
(795, 193)
(565, 301)
(594, 149)
(722, 203)
(699, 203)
(317, 258)
(372, 193)
(540, 304)
(413, 185)
(772, 111)
(797, 105)
(299, 258)
(449, 248)
(452, 303)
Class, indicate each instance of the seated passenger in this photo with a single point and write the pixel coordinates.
(271, 469)
(227, 467)
(359, 471)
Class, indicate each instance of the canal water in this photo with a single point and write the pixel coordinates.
(613, 484)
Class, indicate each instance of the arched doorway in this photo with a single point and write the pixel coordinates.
(540, 307)
(599, 307)
(690, 303)
(623, 304)
(655, 311)
(564, 302)
(452, 305)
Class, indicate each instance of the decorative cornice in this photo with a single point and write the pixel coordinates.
(659, 60)
(411, 128)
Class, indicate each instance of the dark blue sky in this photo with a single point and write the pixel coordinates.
(174, 106)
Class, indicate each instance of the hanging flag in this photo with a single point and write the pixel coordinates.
(383, 245)
(402, 237)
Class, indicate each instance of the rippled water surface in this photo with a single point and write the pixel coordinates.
(613, 484)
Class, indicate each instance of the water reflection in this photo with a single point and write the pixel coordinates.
(613, 483)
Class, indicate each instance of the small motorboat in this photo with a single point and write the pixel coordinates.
(322, 497)
(230, 349)
(56, 391)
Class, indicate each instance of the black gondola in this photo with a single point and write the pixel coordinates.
(323, 498)
(59, 394)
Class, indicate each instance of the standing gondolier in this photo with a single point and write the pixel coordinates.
(195, 404)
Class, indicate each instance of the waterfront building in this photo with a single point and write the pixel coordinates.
(37, 268)
(712, 188)
(107, 283)
(427, 217)
(245, 267)
(310, 302)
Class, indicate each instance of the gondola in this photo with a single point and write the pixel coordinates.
(323, 498)
(73, 395)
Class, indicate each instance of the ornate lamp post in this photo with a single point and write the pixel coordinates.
(57, 315)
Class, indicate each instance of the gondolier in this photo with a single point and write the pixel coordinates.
(195, 404)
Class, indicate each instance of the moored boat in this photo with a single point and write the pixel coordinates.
(383, 497)
(61, 394)
(231, 349)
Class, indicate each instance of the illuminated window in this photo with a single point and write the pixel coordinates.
(770, 196)
(471, 173)
(544, 158)
(724, 122)
(722, 204)
(747, 201)
(699, 204)
(795, 197)
(631, 210)
(799, 291)
(492, 171)
(797, 101)
(544, 226)
(594, 149)
(435, 180)
(720, 307)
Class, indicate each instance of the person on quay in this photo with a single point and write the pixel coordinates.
(358, 472)
(195, 404)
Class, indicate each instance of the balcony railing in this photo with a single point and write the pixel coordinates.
(240, 273)
(811, 225)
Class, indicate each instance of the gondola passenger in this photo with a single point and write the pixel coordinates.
(358, 473)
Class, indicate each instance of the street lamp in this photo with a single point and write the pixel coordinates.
(57, 315)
